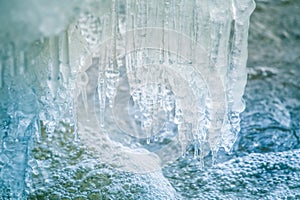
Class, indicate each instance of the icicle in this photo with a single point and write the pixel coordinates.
(53, 79)
(178, 25)
(65, 63)
(101, 87)
(11, 60)
(84, 79)
(162, 58)
(220, 18)
(182, 137)
(147, 110)
(1, 74)
(22, 63)
(75, 118)
(102, 97)
(237, 74)
(155, 87)
(112, 73)
(112, 79)
(168, 103)
(214, 154)
(37, 127)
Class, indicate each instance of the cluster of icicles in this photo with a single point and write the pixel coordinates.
(176, 67)
(182, 63)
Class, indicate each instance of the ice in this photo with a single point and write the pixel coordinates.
(198, 70)
(18, 124)
(140, 82)
(65, 58)
(53, 65)
(1, 74)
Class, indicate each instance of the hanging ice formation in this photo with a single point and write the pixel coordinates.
(140, 78)
(164, 70)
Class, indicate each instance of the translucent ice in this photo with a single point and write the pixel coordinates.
(138, 81)
(166, 60)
